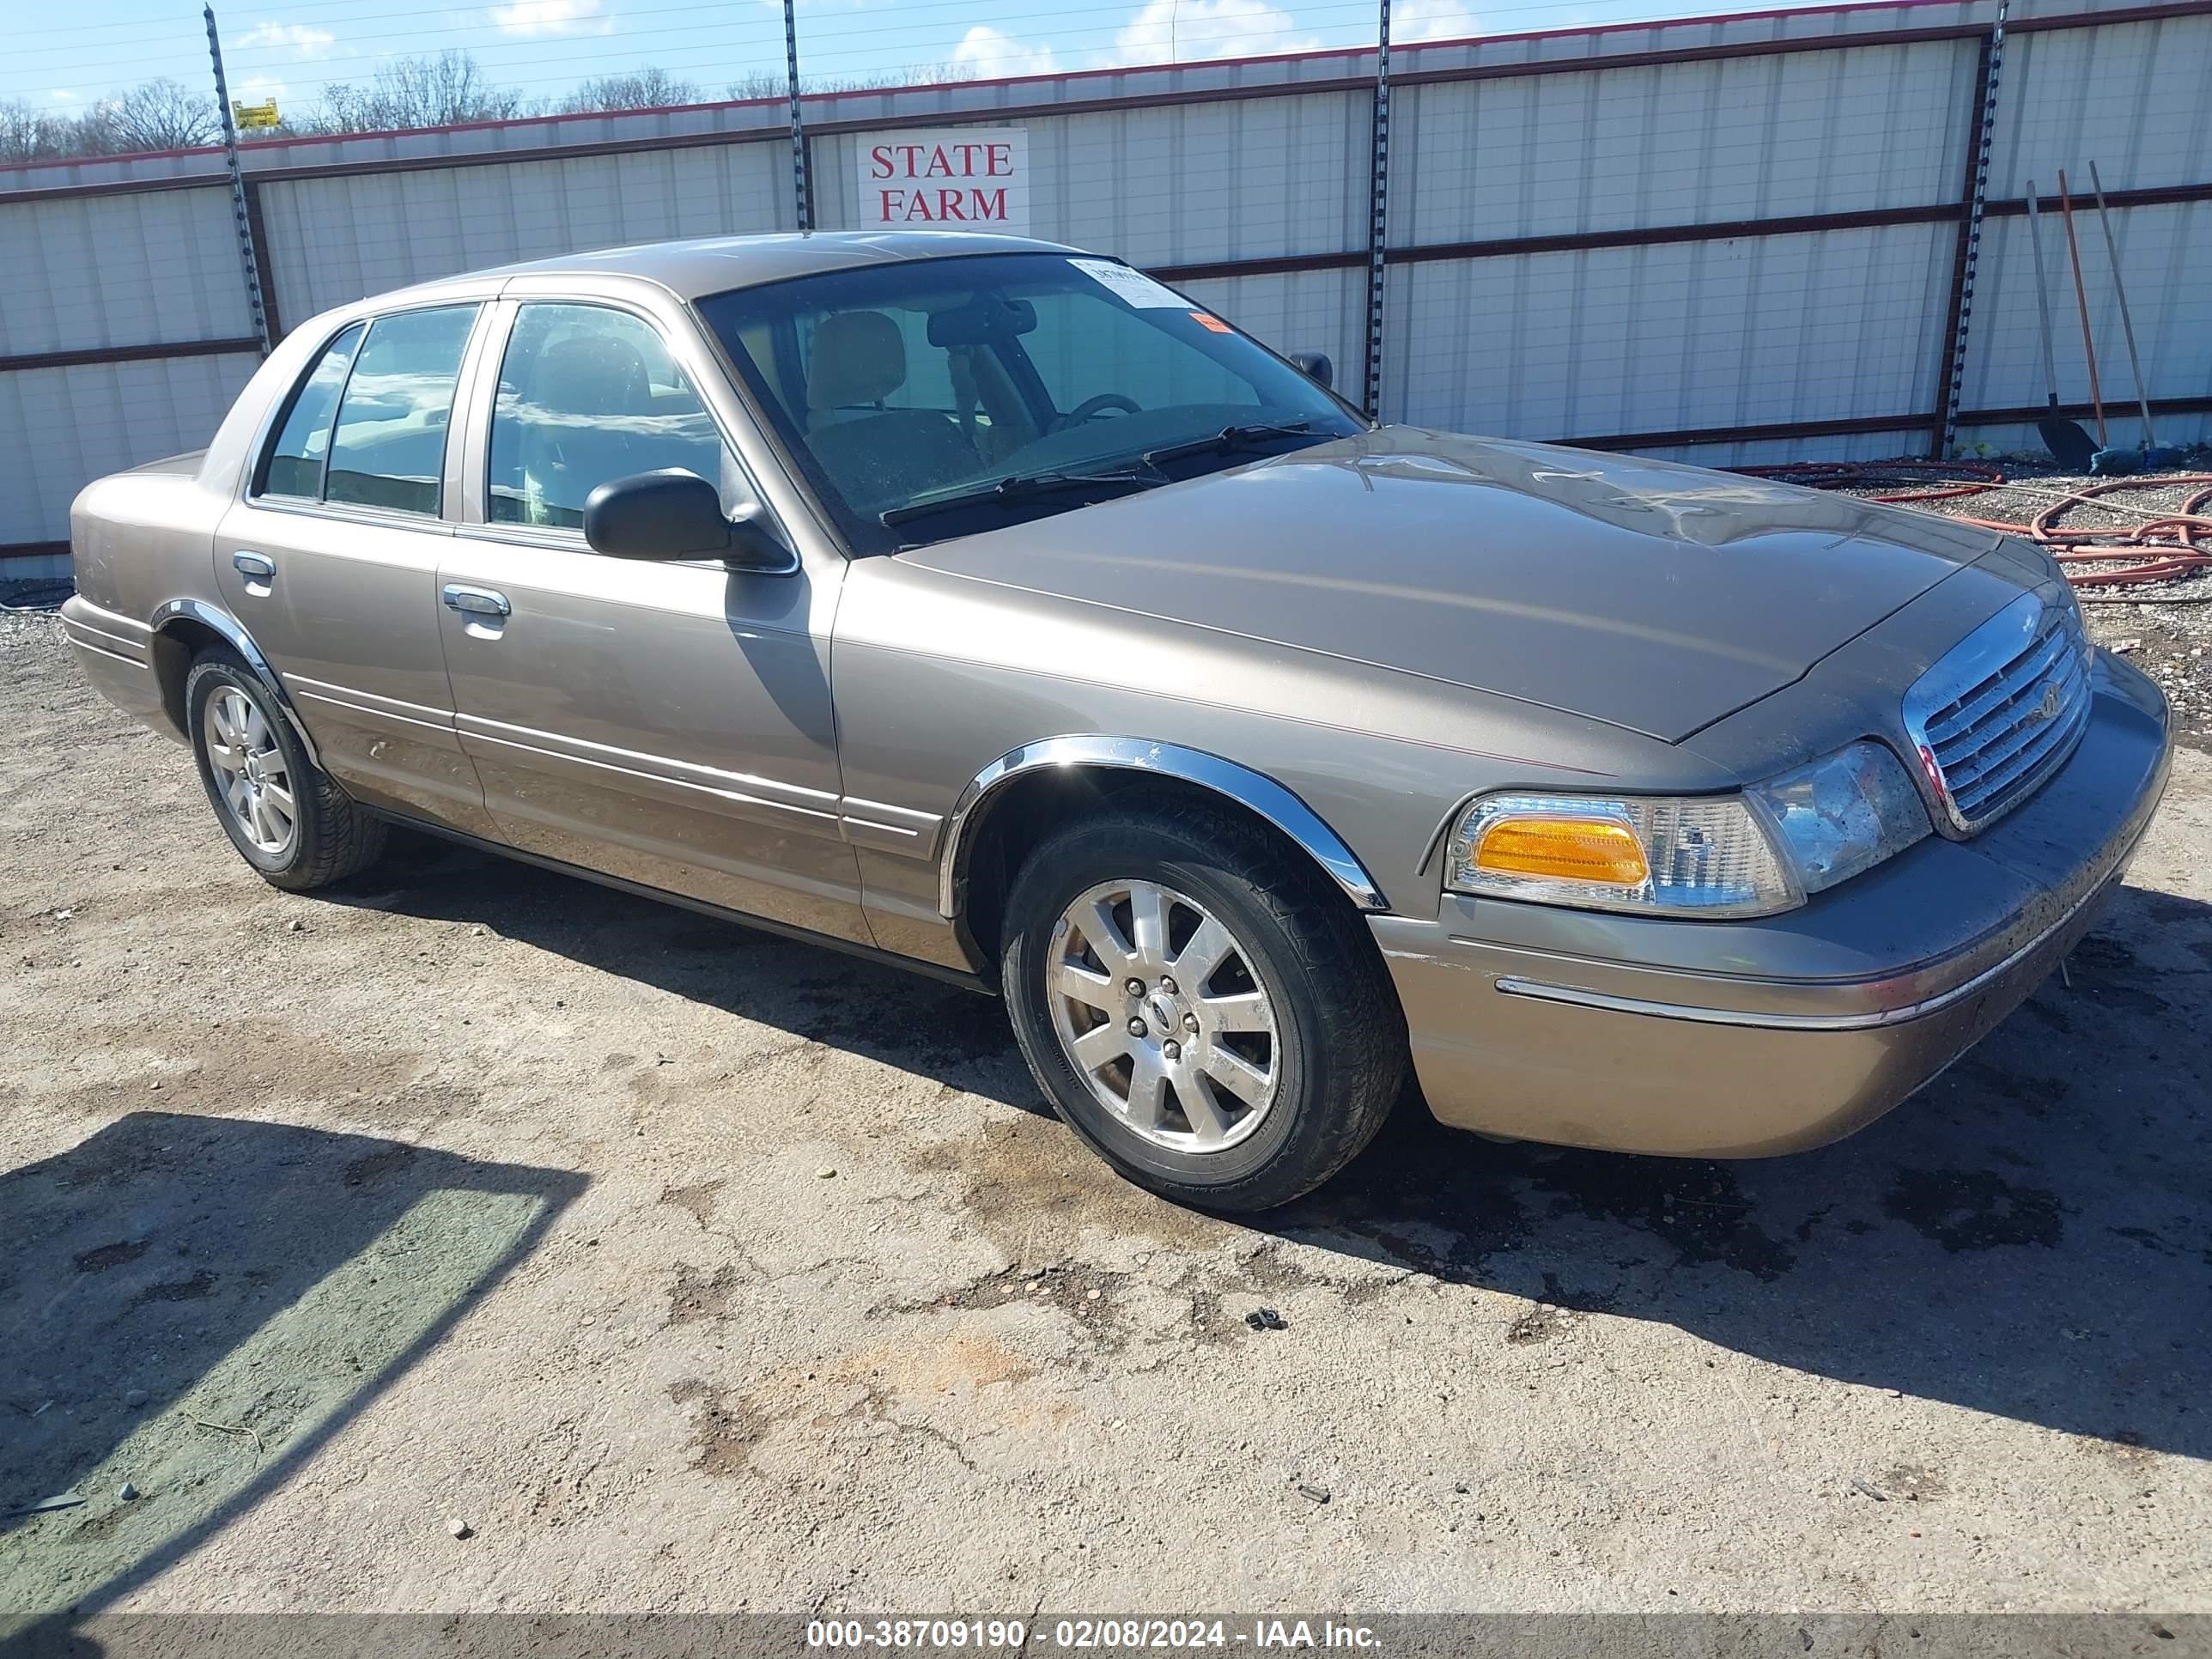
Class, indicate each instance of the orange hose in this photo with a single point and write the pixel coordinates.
(2157, 550)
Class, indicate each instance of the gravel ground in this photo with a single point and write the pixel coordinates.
(675, 1267)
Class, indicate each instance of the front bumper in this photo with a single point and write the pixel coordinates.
(1741, 1039)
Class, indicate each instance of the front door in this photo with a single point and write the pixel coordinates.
(329, 561)
(668, 723)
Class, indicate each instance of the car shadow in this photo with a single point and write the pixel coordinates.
(190, 1306)
(2028, 1238)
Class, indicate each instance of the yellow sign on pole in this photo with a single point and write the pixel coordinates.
(252, 116)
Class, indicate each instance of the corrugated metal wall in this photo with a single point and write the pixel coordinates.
(1671, 338)
(119, 270)
(333, 239)
(1726, 239)
(61, 428)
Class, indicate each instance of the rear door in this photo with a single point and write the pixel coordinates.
(330, 559)
(668, 723)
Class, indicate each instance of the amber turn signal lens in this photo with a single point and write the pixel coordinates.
(1570, 849)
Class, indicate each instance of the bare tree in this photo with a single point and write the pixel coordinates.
(405, 93)
(34, 135)
(417, 92)
(153, 115)
(764, 83)
(649, 87)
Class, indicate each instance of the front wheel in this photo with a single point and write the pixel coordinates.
(1200, 1005)
(281, 811)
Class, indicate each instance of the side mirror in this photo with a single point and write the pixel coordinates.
(675, 514)
(1317, 366)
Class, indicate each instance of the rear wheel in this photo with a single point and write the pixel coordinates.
(1199, 1005)
(281, 811)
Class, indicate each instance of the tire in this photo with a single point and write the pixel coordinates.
(1332, 1049)
(325, 837)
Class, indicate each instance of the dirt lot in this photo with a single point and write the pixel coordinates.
(695, 1270)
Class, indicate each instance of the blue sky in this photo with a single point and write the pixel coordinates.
(291, 49)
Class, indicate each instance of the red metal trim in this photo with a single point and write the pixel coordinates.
(2148, 196)
(1652, 236)
(1785, 430)
(1570, 242)
(1567, 242)
(2029, 413)
(1776, 431)
(128, 354)
(1798, 224)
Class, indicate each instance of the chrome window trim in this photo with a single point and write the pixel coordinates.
(1224, 777)
(381, 518)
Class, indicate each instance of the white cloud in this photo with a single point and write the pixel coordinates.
(62, 94)
(257, 89)
(1185, 31)
(552, 17)
(289, 37)
(992, 52)
(1415, 20)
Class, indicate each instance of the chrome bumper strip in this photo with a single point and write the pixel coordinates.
(1874, 1020)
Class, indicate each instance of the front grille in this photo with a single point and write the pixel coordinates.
(2002, 711)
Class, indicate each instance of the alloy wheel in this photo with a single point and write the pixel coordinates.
(1158, 1009)
(251, 779)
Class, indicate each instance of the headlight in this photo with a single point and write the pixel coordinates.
(1715, 855)
(1705, 856)
(1844, 812)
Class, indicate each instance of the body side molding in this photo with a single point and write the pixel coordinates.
(1262, 794)
(233, 633)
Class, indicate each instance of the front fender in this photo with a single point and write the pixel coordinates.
(1251, 789)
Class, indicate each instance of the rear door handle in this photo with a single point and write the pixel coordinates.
(477, 601)
(258, 570)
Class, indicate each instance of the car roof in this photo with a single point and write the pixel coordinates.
(713, 264)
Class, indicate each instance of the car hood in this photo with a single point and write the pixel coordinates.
(1653, 597)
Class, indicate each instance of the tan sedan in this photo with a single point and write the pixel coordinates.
(993, 608)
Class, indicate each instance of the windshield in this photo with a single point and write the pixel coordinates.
(908, 391)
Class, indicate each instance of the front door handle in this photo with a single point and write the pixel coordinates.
(477, 601)
(258, 570)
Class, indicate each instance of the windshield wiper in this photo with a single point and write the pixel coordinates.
(1228, 439)
(1008, 491)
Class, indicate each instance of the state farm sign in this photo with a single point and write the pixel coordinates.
(945, 178)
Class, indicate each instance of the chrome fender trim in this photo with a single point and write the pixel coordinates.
(1262, 794)
(233, 633)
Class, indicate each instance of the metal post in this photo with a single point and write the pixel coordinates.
(1986, 123)
(802, 196)
(249, 260)
(1378, 200)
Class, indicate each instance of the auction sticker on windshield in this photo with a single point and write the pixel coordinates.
(1134, 286)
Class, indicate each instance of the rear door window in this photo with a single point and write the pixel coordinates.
(388, 449)
(295, 464)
